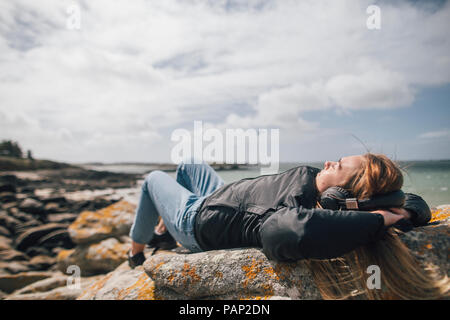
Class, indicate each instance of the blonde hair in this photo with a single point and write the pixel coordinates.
(402, 275)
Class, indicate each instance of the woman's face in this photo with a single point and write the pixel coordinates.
(337, 173)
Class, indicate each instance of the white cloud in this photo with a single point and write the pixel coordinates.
(375, 88)
(445, 133)
(137, 69)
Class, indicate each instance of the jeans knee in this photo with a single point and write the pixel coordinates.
(151, 178)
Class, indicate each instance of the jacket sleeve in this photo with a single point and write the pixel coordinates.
(420, 212)
(292, 234)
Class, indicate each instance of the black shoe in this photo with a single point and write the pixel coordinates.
(164, 241)
(136, 260)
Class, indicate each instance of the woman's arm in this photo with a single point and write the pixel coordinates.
(291, 234)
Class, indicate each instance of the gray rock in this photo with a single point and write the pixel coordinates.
(41, 262)
(237, 273)
(14, 267)
(94, 226)
(8, 183)
(27, 225)
(9, 206)
(59, 199)
(62, 217)
(8, 222)
(96, 258)
(5, 243)
(22, 216)
(4, 232)
(33, 206)
(6, 197)
(54, 288)
(36, 251)
(12, 255)
(10, 283)
(57, 280)
(431, 244)
(52, 207)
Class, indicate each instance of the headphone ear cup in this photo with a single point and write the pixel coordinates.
(334, 198)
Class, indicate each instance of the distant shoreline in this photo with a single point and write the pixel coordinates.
(167, 167)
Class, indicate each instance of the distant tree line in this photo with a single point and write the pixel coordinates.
(9, 148)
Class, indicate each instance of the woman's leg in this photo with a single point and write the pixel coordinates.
(161, 196)
(199, 178)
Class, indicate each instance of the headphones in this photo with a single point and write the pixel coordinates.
(337, 198)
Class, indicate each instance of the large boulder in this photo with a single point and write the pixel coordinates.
(229, 274)
(112, 221)
(245, 273)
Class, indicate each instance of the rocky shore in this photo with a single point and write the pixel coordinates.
(36, 210)
(45, 237)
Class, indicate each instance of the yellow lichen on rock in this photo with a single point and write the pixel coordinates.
(250, 272)
(142, 289)
(440, 213)
(95, 258)
(112, 221)
(108, 249)
(123, 283)
(189, 274)
(64, 254)
(90, 292)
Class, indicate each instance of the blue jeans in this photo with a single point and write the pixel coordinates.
(177, 202)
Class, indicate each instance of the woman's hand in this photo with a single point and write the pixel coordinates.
(405, 213)
(389, 217)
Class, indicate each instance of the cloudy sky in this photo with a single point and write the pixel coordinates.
(116, 88)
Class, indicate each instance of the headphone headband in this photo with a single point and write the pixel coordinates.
(337, 198)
